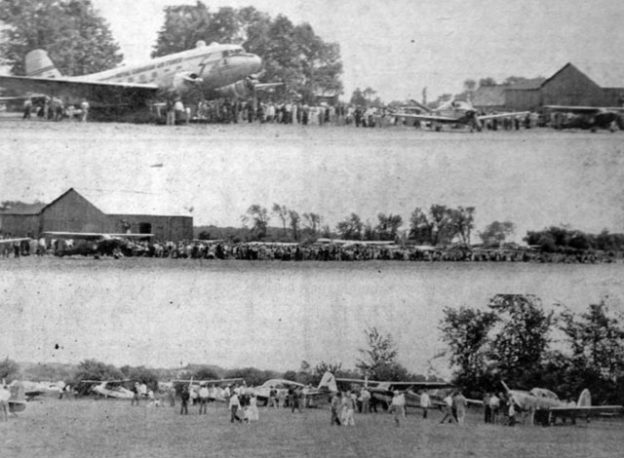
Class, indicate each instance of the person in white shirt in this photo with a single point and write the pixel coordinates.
(398, 406)
(234, 406)
(203, 399)
(425, 402)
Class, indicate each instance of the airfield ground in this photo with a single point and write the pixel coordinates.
(107, 428)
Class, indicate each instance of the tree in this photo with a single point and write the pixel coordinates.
(282, 213)
(294, 223)
(486, 82)
(388, 226)
(520, 345)
(357, 98)
(350, 228)
(312, 222)
(466, 332)
(8, 368)
(379, 358)
(76, 38)
(259, 217)
(420, 228)
(470, 85)
(496, 232)
(463, 220)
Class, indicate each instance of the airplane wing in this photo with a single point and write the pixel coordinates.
(24, 239)
(208, 382)
(97, 93)
(574, 109)
(502, 115)
(419, 385)
(587, 410)
(427, 117)
(76, 235)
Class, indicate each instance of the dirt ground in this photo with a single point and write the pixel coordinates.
(107, 428)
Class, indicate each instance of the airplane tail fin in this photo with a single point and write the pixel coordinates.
(584, 399)
(328, 381)
(38, 65)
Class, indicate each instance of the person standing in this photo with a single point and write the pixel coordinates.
(135, 394)
(234, 407)
(366, 397)
(398, 406)
(459, 403)
(27, 108)
(448, 409)
(84, 110)
(252, 409)
(425, 402)
(334, 407)
(349, 409)
(203, 399)
(272, 398)
(185, 396)
(494, 403)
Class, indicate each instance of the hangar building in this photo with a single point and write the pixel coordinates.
(107, 212)
(602, 87)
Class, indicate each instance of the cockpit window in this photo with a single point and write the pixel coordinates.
(232, 52)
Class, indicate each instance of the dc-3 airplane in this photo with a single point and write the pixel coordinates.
(383, 391)
(455, 112)
(593, 118)
(217, 70)
(110, 388)
(96, 244)
(548, 407)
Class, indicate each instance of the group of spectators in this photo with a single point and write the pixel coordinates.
(54, 109)
(355, 251)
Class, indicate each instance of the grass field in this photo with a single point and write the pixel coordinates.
(105, 428)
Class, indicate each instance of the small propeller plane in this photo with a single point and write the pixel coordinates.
(12, 398)
(110, 388)
(383, 391)
(216, 392)
(549, 407)
(593, 118)
(96, 244)
(326, 386)
(455, 112)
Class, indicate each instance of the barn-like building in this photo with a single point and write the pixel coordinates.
(104, 212)
(593, 86)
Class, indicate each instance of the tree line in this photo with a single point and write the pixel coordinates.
(517, 341)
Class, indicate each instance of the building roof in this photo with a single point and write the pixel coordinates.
(126, 202)
(529, 84)
(489, 96)
(604, 74)
(24, 209)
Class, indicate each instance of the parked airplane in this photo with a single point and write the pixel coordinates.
(569, 117)
(383, 391)
(216, 390)
(12, 397)
(96, 243)
(455, 112)
(217, 70)
(549, 407)
(110, 388)
(326, 386)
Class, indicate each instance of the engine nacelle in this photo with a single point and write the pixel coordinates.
(240, 90)
(183, 82)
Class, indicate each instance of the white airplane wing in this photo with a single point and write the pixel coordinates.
(503, 115)
(4, 241)
(427, 117)
(97, 93)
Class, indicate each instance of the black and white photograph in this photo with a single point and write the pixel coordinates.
(320, 228)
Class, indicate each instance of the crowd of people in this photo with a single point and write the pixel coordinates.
(314, 251)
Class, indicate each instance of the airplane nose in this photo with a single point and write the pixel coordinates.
(255, 63)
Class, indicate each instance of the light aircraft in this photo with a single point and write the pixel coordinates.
(95, 243)
(13, 397)
(217, 70)
(383, 391)
(326, 386)
(549, 407)
(566, 117)
(455, 112)
(110, 388)
(216, 392)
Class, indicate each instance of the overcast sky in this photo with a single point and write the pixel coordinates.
(397, 47)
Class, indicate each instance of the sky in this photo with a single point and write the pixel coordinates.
(398, 47)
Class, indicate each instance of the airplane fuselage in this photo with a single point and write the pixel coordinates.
(217, 65)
